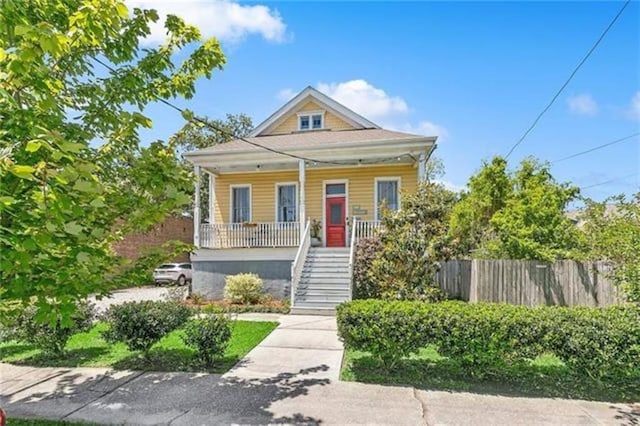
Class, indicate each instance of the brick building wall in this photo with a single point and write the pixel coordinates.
(173, 228)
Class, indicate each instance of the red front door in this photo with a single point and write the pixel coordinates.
(335, 209)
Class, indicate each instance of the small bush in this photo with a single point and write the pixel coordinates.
(140, 325)
(365, 286)
(209, 336)
(50, 337)
(593, 341)
(243, 288)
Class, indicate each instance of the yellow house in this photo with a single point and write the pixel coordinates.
(289, 201)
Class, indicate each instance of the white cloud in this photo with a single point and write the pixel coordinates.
(365, 99)
(451, 186)
(424, 128)
(286, 95)
(634, 108)
(224, 19)
(583, 105)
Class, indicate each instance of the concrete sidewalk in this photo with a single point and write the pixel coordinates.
(291, 377)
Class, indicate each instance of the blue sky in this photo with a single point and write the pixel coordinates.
(475, 73)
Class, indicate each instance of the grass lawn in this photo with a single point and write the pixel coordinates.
(546, 376)
(169, 354)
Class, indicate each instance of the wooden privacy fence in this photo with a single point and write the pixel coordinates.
(529, 282)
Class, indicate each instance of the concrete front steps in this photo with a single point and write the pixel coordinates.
(324, 283)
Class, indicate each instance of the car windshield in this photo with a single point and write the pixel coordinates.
(167, 266)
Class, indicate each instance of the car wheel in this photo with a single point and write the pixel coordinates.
(181, 280)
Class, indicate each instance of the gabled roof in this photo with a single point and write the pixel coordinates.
(356, 120)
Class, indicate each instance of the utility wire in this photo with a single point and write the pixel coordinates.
(196, 119)
(566, 83)
(610, 180)
(595, 148)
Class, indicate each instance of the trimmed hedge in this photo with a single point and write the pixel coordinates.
(595, 341)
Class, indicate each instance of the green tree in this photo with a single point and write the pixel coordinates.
(194, 135)
(414, 241)
(514, 215)
(612, 234)
(74, 177)
(533, 223)
(488, 192)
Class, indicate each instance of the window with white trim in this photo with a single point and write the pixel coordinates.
(286, 202)
(240, 204)
(311, 121)
(387, 195)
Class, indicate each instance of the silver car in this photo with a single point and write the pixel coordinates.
(178, 273)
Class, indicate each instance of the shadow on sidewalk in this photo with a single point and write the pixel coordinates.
(157, 397)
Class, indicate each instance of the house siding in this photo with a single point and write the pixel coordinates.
(290, 125)
(360, 189)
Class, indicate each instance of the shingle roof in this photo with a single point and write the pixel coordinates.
(312, 139)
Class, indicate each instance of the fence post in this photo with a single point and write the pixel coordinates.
(473, 286)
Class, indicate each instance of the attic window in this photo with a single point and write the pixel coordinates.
(311, 121)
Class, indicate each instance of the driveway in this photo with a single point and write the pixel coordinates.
(137, 294)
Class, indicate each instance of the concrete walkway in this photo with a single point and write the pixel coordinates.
(291, 377)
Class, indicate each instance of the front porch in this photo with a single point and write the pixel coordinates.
(271, 234)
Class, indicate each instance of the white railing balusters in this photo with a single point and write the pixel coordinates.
(366, 228)
(352, 249)
(298, 262)
(241, 235)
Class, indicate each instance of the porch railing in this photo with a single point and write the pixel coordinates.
(364, 229)
(352, 252)
(298, 262)
(249, 235)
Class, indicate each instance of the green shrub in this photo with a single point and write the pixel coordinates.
(365, 286)
(598, 341)
(50, 337)
(140, 325)
(594, 341)
(484, 335)
(414, 241)
(388, 330)
(243, 288)
(209, 336)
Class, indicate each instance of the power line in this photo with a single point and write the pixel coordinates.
(194, 118)
(595, 148)
(566, 83)
(610, 181)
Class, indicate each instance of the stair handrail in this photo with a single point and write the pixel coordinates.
(298, 262)
(352, 251)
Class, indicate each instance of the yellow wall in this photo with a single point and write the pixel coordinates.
(360, 182)
(291, 123)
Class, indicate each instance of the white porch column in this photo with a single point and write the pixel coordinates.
(301, 180)
(422, 167)
(212, 198)
(196, 208)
